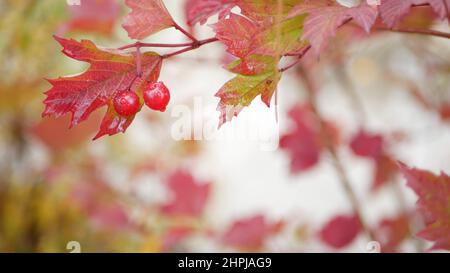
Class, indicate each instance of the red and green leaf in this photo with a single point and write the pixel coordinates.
(110, 71)
(242, 90)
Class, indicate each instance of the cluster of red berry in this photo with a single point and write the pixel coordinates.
(156, 96)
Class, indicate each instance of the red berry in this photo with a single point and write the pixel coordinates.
(157, 96)
(126, 103)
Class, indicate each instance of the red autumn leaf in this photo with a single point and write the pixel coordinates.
(189, 195)
(392, 11)
(94, 16)
(391, 232)
(236, 33)
(326, 16)
(433, 204)
(198, 11)
(304, 142)
(110, 71)
(340, 231)
(246, 38)
(385, 169)
(367, 145)
(146, 18)
(250, 233)
(371, 146)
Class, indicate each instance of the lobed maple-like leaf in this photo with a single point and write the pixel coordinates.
(236, 33)
(250, 233)
(259, 48)
(242, 90)
(433, 203)
(146, 18)
(110, 71)
(340, 231)
(198, 11)
(280, 38)
(189, 195)
(392, 11)
(326, 16)
(244, 37)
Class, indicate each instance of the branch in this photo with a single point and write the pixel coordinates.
(417, 31)
(185, 32)
(343, 177)
(140, 44)
(187, 46)
(192, 46)
(299, 57)
(428, 32)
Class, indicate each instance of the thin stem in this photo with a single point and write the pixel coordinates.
(132, 82)
(138, 61)
(299, 57)
(191, 47)
(350, 90)
(185, 32)
(417, 31)
(343, 177)
(400, 30)
(140, 44)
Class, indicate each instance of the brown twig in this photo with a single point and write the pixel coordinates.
(191, 47)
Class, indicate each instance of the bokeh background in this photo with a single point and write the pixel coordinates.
(145, 191)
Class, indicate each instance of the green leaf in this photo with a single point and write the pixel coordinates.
(240, 91)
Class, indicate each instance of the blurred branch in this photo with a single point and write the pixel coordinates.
(417, 31)
(343, 177)
(360, 112)
(349, 89)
